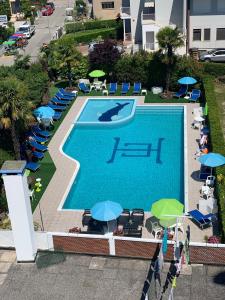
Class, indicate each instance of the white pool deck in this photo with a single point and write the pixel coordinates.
(55, 220)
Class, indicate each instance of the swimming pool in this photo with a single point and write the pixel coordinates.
(135, 163)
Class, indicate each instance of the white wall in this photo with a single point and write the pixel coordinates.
(213, 22)
(136, 7)
(6, 239)
(147, 28)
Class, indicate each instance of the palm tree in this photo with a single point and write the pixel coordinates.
(169, 40)
(14, 108)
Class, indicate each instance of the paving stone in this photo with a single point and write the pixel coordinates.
(3, 278)
(8, 256)
(97, 263)
(4, 267)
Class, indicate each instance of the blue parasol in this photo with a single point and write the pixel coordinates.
(106, 211)
(44, 112)
(187, 80)
(212, 160)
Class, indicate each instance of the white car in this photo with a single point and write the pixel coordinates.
(216, 55)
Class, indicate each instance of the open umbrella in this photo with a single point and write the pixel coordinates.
(187, 81)
(212, 160)
(106, 211)
(9, 43)
(19, 34)
(44, 112)
(97, 73)
(167, 209)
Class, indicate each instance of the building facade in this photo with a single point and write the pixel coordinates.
(106, 9)
(202, 22)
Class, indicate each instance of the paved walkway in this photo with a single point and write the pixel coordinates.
(78, 277)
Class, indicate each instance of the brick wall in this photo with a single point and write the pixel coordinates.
(81, 245)
(207, 255)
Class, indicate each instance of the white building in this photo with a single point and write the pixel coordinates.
(201, 21)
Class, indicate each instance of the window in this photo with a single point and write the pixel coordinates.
(207, 34)
(107, 5)
(197, 34)
(201, 6)
(219, 53)
(220, 34)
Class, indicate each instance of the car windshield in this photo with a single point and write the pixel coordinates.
(23, 29)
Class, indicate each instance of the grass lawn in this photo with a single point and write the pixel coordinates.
(220, 98)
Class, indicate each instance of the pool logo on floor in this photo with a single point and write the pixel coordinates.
(109, 114)
(138, 151)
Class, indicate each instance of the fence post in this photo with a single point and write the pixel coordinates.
(112, 250)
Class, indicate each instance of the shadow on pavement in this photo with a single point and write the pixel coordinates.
(46, 259)
(220, 278)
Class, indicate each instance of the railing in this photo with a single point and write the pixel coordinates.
(125, 11)
(149, 46)
(148, 17)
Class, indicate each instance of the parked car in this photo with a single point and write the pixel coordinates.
(215, 55)
(27, 30)
(92, 45)
(47, 10)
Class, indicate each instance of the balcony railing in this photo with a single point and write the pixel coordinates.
(125, 11)
(149, 46)
(148, 17)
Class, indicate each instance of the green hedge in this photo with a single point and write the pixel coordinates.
(217, 143)
(100, 24)
(89, 36)
(214, 69)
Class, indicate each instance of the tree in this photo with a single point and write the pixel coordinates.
(63, 58)
(5, 8)
(169, 40)
(25, 7)
(104, 56)
(14, 108)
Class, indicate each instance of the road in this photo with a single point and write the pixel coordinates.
(45, 30)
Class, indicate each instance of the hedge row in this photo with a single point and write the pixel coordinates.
(214, 69)
(100, 24)
(217, 142)
(91, 35)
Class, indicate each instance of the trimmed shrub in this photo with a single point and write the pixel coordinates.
(217, 143)
(214, 69)
(91, 25)
(89, 36)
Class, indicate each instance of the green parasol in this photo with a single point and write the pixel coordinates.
(167, 209)
(206, 110)
(97, 73)
(9, 43)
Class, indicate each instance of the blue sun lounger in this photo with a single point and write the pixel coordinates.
(64, 97)
(112, 88)
(32, 166)
(125, 88)
(38, 155)
(200, 219)
(56, 107)
(82, 86)
(65, 93)
(60, 102)
(57, 115)
(137, 88)
(44, 133)
(182, 91)
(37, 138)
(38, 147)
(195, 95)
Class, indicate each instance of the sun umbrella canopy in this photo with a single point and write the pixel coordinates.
(97, 73)
(19, 34)
(44, 112)
(106, 211)
(167, 209)
(9, 43)
(187, 80)
(212, 160)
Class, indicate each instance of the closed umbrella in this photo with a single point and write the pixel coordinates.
(106, 211)
(187, 81)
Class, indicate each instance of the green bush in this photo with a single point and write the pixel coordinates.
(90, 35)
(217, 143)
(214, 69)
(91, 25)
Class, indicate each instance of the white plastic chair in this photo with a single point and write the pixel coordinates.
(210, 181)
(104, 84)
(156, 230)
(206, 191)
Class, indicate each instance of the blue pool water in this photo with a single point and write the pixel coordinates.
(106, 110)
(135, 163)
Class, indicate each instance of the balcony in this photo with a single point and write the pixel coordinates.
(125, 12)
(147, 18)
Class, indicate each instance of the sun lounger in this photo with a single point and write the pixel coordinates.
(56, 107)
(32, 166)
(86, 217)
(64, 97)
(37, 138)
(44, 133)
(38, 147)
(59, 102)
(82, 86)
(125, 88)
(38, 155)
(204, 172)
(57, 115)
(112, 88)
(182, 91)
(195, 95)
(137, 88)
(64, 92)
(200, 219)
(137, 216)
(133, 233)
